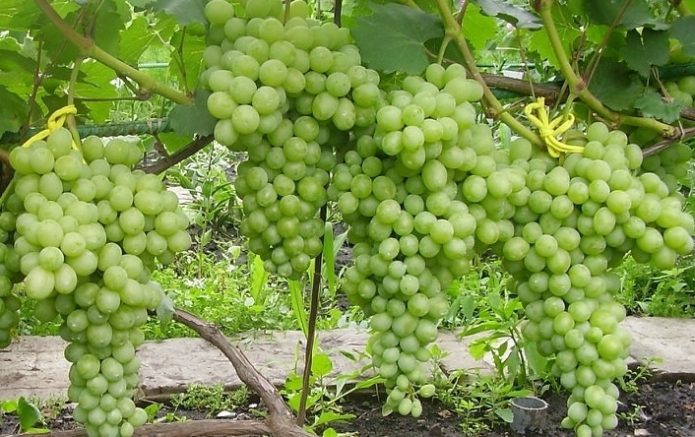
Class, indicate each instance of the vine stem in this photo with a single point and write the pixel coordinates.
(72, 124)
(579, 88)
(186, 152)
(665, 144)
(453, 30)
(90, 49)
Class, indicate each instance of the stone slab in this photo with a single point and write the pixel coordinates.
(34, 366)
(667, 345)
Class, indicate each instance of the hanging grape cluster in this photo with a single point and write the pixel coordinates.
(286, 93)
(88, 230)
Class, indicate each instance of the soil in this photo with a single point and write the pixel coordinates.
(660, 409)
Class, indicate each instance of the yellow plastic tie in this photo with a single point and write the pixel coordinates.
(550, 130)
(55, 121)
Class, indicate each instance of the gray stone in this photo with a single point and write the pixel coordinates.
(667, 345)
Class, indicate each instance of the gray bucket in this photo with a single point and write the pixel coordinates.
(529, 413)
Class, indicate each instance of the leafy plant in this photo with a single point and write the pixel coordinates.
(211, 399)
(28, 414)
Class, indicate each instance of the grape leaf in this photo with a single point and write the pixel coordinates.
(643, 51)
(188, 120)
(185, 11)
(637, 13)
(392, 38)
(540, 43)
(108, 24)
(478, 29)
(683, 29)
(511, 14)
(12, 111)
(615, 85)
(652, 104)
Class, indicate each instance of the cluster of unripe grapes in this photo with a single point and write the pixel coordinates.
(682, 90)
(286, 93)
(87, 231)
(10, 304)
(573, 222)
(671, 165)
(413, 234)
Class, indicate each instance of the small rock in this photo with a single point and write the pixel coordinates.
(254, 405)
(226, 415)
(642, 432)
(243, 416)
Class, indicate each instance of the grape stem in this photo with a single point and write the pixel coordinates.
(90, 49)
(186, 152)
(579, 87)
(311, 331)
(665, 144)
(453, 31)
(72, 124)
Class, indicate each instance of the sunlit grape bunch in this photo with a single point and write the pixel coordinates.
(88, 232)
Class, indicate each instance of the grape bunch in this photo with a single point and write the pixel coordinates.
(9, 269)
(88, 232)
(286, 93)
(573, 223)
(412, 233)
(682, 91)
(671, 165)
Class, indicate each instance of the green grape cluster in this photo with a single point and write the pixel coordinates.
(88, 232)
(682, 91)
(285, 93)
(672, 165)
(573, 222)
(413, 234)
(9, 268)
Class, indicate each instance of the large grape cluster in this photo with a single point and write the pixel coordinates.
(285, 93)
(9, 268)
(88, 232)
(573, 222)
(413, 234)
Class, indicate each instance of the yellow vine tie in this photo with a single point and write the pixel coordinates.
(550, 130)
(55, 121)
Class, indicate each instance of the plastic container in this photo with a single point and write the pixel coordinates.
(529, 413)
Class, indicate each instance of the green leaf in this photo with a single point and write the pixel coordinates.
(615, 85)
(28, 414)
(98, 83)
(8, 406)
(637, 13)
(331, 416)
(393, 37)
(683, 29)
(297, 302)
(518, 17)
(540, 43)
(321, 365)
(186, 63)
(193, 119)
(478, 29)
(13, 111)
(329, 432)
(174, 142)
(185, 11)
(108, 24)
(135, 40)
(259, 278)
(652, 104)
(646, 49)
(505, 414)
